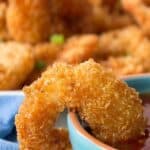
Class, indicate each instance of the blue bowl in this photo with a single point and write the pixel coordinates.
(9, 104)
(81, 139)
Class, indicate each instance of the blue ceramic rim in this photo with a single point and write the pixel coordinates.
(9, 93)
(77, 126)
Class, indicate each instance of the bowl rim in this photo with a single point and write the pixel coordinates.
(73, 117)
(132, 76)
(12, 93)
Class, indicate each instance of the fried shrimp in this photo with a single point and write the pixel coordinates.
(16, 62)
(34, 21)
(68, 18)
(124, 54)
(35, 124)
(113, 49)
(79, 48)
(140, 10)
(108, 15)
(44, 54)
(29, 20)
(112, 109)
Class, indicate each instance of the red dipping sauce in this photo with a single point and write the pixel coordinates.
(144, 142)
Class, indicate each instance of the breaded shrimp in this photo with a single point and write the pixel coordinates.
(44, 54)
(116, 50)
(29, 20)
(79, 48)
(108, 15)
(140, 10)
(124, 54)
(34, 21)
(16, 62)
(112, 109)
(35, 124)
(68, 17)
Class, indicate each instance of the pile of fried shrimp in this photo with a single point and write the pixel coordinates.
(113, 110)
(35, 34)
(70, 54)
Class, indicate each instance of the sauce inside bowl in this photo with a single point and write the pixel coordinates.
(142, 143)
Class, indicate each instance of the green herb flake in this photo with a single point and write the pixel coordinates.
(57, 39)
(40, 65)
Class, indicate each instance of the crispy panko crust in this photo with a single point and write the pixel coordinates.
(140, 10)
(29, 20)
(124, 54)
(79, 48)
(112, 109)
(16, 62)
(35, 124)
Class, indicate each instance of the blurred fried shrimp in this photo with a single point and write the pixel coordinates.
(79, 48)
(108, 15)
(44, 54)
(140, 10)
(16, 62)
(71, 16)
(118, 42)
(122, 53)
(132, 63)
(112, 109)
(29, 20)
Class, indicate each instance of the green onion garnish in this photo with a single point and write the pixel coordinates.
(40, 65)
(57, 39)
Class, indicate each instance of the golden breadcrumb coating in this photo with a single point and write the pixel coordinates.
(29, 20)
(79, 48)
(111, 108)
(16, 62)
(38, 113)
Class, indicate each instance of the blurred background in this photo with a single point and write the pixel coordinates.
(34, 34)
